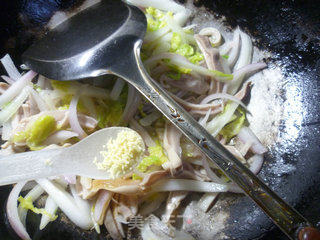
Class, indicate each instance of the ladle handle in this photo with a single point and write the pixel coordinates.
(286, 217)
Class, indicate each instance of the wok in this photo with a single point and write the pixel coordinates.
(289, 32)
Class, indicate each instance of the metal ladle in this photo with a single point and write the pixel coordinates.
(106, 39)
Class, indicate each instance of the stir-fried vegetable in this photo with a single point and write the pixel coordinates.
(202, 75)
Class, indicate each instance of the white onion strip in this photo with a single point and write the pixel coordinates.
(12, 211)
(117, 89)
(6, 130)
(144, 134)
(169, 185)
(51, 207)
(16, 88)
(235, 49)
(42, 105)
(10, 67)
(203, 120)
(11, 108)
(59, 137)
(243, 60)
(73, 117)
(101, 205)
(131, 107)
(206, 201)
(8, 79)
(246, 135)
(215, 96)
(149, 119)
(181, 61)
(67, 204)
(167, 5)
(256, 163)
(210, 173)
(34, 194)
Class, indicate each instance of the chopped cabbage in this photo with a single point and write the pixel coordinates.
(26, 203)
(136, 177)
(179, 46)
(234, 127)
(155, 19)
(156, 157)
(196, 58)
(109, 112)
(61, 85)
(37, 132)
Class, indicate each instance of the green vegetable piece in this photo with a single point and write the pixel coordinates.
(234, 127)
(157, 157)
(136, 177)
(61, 85)
(27, 204)
(221, 74)
(155, 19)
(225, 56)
(175, 41)
(41, 129)
(35, 134)
(185, 50)
(196, 58)
(110, 112)
(176, 68)
(174, 75)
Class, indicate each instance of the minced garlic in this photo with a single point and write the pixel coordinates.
(122, 154)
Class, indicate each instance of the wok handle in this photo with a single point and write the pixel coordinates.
(283, 215)
(308, 233)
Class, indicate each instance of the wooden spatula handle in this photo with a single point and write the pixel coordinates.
(309, 233)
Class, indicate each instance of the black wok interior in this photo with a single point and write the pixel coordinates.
(288, 29)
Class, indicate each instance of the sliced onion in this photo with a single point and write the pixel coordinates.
(248, 69)
(12, 212)
(206, 201)
(67, 204)
(117, 89)
(34, 194)
(101, 205)
(73, 117)
(244, 59)
(217, 123)
(215, 96)
(70, 179)
(133, 101)
(210, 173)
(203, 121)
(42, 105)
(143, 133)
(59, 137)
(235, 48)
(181, 61)
(6, 130)
(149, 119)
(9, 80)
(225, 48)
(12, 108)
(256, 163)
(16, 88)
(150, 206)
(246, 135)
(169, 185)
(51, 207)
(165, 5)
(10, 67)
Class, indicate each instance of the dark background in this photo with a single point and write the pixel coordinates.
(290, 30)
